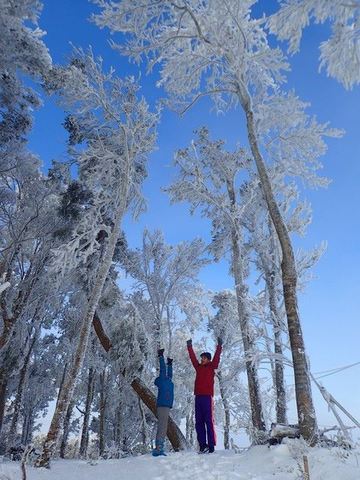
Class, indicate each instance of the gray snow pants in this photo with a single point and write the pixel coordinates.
(163, 416)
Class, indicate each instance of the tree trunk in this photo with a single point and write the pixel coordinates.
(3, 393)
(190, 426)
(270, 280)
(102, 412)
(85, 429)
(174, 433)
(66, 430)
(9, 360)
(28, 425)
(94, 297)
(257, 417)
(18, 397)
(305, 407)
(226, 411)
(279, 366)
(118, 425)
(144, 435)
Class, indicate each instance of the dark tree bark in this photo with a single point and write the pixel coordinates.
(19, 395)
(118, 425)
(29, 414)
(89, 399)
(66, 429)
(3, 390)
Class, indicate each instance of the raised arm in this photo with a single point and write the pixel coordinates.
(192, 354)
(169, 368)
(216, 359)
(162, 364)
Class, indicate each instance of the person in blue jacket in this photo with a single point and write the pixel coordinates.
(164, 402)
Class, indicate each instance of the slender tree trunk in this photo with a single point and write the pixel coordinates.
(225, 403)
(18, 397)
(25, 429)
(66, 430)
(9, 359)
(6, 271)
(270, 280)
(144, 435)
(28, 426)
(279, 366)
(118, 425)
(3, 394)
(190, 425)
(174, 433)
(241, 293)
(305, 407)
(67, 392)
(102, 411)
(89, 399)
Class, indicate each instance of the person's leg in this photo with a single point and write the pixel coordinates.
(209, 421)
(200, 422)
(163, 417)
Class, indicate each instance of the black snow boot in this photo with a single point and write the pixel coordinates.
(204, 449)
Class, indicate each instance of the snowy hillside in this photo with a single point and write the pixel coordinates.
(257, 463)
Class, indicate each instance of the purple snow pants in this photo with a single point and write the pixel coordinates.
(204, 420)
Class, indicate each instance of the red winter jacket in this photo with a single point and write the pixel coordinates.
(204, 380)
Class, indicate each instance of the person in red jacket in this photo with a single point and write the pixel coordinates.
(204, 392)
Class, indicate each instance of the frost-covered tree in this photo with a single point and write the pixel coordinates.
(340, 54)
(128, 345)
(209, 180)
(23, 53)
(28, 222)
(118, 130)
(224, 323)
(167, 275)
(216, 49)
(267, 260)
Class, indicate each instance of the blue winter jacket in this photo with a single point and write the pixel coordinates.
(165, 385)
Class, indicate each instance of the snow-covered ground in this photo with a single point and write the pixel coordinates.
(257, 463)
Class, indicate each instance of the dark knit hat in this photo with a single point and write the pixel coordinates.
(207, 355)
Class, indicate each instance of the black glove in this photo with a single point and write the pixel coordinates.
(161, 352)
(220, 341)
(189, 342)
(169, 361)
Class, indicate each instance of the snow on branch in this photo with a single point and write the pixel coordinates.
(340, 54)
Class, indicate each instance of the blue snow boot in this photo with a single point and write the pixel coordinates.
(159, 448)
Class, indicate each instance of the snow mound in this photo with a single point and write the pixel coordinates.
(258, 463)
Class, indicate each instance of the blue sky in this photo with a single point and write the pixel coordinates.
(330, 306)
